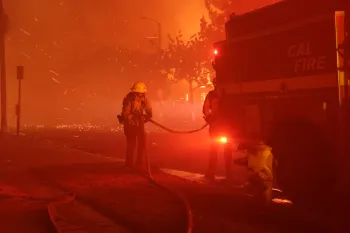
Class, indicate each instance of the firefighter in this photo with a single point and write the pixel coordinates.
(217, 128)
(136, 112)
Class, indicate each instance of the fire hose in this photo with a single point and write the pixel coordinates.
(181, 197)
(176, 131)
(171, 191)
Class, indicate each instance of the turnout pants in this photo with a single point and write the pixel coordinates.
(135, 138)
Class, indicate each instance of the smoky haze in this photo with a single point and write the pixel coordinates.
(65, 46)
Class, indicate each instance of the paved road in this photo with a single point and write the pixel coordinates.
(173, 151)
(19, 214)
(26, 188)
(187, 153)
(23, 198)
(33, 174)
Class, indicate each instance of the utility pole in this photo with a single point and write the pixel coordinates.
(3, 24)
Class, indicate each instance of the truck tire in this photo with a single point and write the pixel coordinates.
(305, 160)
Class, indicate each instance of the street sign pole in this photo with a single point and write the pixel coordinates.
(20, 76)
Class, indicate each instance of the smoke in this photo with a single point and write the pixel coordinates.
(52, 38)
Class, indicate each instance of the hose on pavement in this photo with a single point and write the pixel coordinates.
(150, 178)
(181, 198)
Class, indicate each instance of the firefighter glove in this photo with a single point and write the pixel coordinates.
(208, 119)
(146, 118)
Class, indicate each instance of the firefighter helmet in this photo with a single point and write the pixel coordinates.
(139, 87)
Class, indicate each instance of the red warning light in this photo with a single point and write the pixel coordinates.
(216, 52)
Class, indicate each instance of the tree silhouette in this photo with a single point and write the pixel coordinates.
(189, 60)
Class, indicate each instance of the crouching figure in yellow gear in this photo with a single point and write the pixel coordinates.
(259, 161)
(136, 112)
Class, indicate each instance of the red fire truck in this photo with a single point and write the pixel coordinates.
(284, 72)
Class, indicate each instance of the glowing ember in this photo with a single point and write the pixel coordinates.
(55, 80)
(54, 73)
(282, 201)
(25, 32)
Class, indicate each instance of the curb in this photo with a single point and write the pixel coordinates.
(53, 214)
(59, 208)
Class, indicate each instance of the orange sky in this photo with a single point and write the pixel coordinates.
(110, 21)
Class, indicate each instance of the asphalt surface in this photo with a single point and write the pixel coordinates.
(35, 173)
(19, 216)
(214, 211)
(188, 152)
